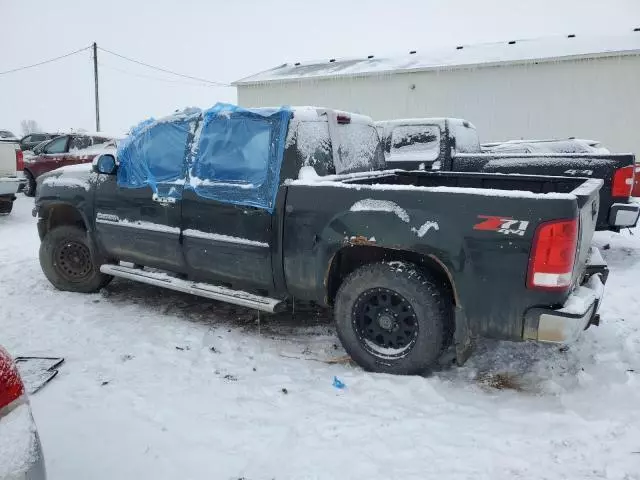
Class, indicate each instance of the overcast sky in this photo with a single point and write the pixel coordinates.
(227, 40)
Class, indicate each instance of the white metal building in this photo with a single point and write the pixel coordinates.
(587, 87)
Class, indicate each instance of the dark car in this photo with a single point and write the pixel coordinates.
(30, 141)
(259, 207)
(450, 144)
(61, 151)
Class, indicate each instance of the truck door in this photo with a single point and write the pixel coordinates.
(227, 231)
(138, 222)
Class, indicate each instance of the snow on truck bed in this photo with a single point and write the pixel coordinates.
(162, 385)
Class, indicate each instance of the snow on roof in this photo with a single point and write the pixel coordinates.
(565, 47)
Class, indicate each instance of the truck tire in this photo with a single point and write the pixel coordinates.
(68, 263)
(392, 318)
(6, 205)
(30, 187)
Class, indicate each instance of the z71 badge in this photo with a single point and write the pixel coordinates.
(505, 225)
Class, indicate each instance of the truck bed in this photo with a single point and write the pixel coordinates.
(579, 165)
(481, 227)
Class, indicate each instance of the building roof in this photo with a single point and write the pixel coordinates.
(566, 47)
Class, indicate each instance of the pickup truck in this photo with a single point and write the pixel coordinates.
(261, 207)
(451, 144)
(11, 164)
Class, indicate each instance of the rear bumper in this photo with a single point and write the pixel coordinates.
(624, 215)
(9, 185)
(580, 310)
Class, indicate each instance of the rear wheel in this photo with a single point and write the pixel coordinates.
(30, 187)
(392, 318)
(6, 205)
(68, 263)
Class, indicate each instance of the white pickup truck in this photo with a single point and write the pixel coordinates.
(11, 175)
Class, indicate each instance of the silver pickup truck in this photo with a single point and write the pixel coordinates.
(11, 175)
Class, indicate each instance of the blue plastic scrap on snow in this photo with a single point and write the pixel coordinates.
(338, 384)
(227, 153)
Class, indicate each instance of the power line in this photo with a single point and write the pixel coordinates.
(204, 80)
(141, 75)
(45, 61)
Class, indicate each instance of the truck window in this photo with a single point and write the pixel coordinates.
(59, 145)
(235, 151)
(466, 137)
(78, 143)
(359, 148)
(415, 140)
(314, 147)
(155, 155)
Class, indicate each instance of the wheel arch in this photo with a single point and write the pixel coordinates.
(56, 214)
(350, 258)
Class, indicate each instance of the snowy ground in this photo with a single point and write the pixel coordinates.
(165, 386)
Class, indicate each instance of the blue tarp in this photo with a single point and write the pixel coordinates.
(227, 153)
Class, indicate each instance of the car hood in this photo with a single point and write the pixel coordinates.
(73, 176)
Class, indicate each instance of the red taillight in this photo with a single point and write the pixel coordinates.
(635, 192)
(19, 161)
(343, 119)
(11, 387)
(623, 182)
(553, 255)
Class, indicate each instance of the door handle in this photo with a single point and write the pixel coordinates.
(163, 200)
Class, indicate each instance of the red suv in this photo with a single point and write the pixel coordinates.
(65, 150)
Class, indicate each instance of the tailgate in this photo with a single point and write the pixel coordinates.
(588, 195)
(8, 159)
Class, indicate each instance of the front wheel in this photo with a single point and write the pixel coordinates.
(68, 263)
(392, 318)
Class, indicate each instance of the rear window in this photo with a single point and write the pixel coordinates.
(420, 141)
(359, 148)
(38, 137)
(466, 137)
(314, 147)
(79, 143)
(100, 140)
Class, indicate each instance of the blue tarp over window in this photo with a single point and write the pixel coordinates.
(227, 153)
(239, 154)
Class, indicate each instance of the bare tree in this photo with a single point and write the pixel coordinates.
(29, 126)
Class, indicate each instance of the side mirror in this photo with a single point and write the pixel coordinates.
(105, 163)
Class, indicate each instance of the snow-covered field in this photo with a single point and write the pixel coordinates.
(167, 386)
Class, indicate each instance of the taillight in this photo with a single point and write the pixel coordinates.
(11, 387)
(623, 182)
(19, 161)
(635, 192)
(553, 255)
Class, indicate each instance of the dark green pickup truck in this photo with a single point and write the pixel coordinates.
(260, 207)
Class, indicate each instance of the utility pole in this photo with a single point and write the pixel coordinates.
(95, 77)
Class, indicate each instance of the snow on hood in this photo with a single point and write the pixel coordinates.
(72, 176)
